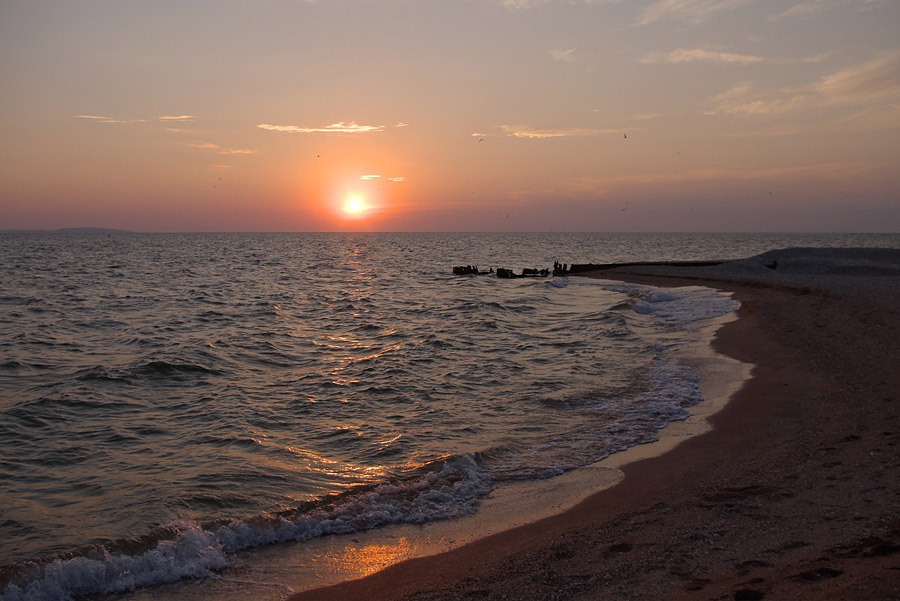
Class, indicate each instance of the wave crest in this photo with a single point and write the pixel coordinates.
(451, 491)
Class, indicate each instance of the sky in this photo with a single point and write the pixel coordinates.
(451, 115)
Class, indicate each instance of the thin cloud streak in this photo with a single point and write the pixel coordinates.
(344, 127)
(683, 55)
(804, 8)
(691, 11)
(101, 119)
(521, 131)
(694, 55)
(219, 149)
(162, 119)
(874, 82)
(376, 177)
(526, 4)
(811, 7)
(565, 56)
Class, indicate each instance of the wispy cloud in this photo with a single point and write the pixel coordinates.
(219, 149)
(873, 84)
(876, 79)
(683, 55)
(163, 118)
(522, 131)
(344, 127)
(525, 4)
(799, 10)
(810, 7)
(691, 11)
(373, 177)
(102, 119)
(518, 4)
(696, 55)
(566, 56)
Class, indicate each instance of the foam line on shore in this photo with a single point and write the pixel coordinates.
(514, 504)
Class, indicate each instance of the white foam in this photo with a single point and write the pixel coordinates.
(610, 425)
(628, 420)
(451, 492)
(194, 553)
(680, 306)
(558, 282)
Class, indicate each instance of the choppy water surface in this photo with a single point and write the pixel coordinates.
(166, 400)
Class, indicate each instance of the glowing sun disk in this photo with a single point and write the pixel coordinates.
(354, 206)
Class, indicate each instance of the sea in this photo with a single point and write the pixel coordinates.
(170, 403)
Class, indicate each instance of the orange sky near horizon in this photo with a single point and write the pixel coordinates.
(488, 115)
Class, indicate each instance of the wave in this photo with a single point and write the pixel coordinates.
(680, 307)
(176, 372)
(558, 282)
(449, 488)
(100, 374)
(609, 423)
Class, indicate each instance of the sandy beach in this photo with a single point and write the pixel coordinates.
(792, 495)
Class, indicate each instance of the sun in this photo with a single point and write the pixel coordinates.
(355, 206)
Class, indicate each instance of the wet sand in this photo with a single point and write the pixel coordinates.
(792, 494)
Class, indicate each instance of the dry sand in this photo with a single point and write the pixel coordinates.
(794, 494)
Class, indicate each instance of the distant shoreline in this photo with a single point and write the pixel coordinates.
(71, 230)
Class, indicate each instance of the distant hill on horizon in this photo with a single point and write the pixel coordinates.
(70, 230)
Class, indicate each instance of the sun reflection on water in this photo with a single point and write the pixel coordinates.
(367, 559)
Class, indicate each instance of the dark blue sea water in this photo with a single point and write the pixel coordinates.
(170, 400)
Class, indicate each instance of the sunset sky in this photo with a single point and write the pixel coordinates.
(451, 115)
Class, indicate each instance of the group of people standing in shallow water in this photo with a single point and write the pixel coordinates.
(560, 268)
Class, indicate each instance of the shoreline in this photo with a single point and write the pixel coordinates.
(791, 494)
(331, 560)
(275, 571)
